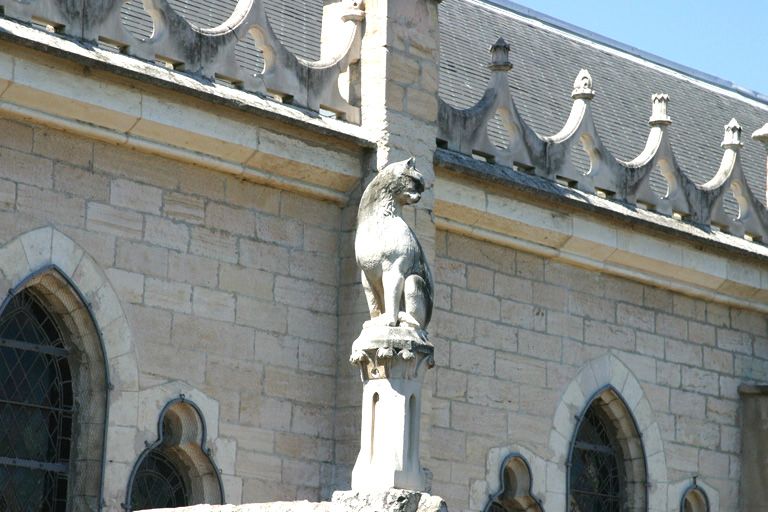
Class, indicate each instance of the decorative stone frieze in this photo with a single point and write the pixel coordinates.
(466, 131)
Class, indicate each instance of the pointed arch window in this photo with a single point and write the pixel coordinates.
(596, 482)
(606, 469)
(36, 408)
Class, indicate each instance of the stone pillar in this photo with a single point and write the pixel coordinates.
(399, 79)
(393, 362)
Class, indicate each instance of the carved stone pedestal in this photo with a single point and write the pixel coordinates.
(392, 361)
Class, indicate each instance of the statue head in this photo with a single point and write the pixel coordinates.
(403, 181)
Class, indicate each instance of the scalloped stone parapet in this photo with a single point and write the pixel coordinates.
(209, 53)
(466, 131)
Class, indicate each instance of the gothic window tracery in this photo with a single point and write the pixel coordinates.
(596, 481)
(606, 467)
(36, 408)
(158, 484)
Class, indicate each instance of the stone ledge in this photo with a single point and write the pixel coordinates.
(532, 214)
(551, 193)
(125, 101)
(393, 500)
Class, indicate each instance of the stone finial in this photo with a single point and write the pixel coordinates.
(500, 56)
(761, 134)
(582, 86)
(659, 115)
(732, 136)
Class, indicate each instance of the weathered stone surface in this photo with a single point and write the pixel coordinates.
(393, 500)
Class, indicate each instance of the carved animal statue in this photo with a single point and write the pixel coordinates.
(396, 278)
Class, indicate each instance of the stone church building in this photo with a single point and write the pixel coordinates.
(179, 184)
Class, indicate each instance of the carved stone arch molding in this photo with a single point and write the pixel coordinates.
(181, 445)
(693, 495)
(607, 383)
(515, 480)
(70, 283)
(516, 492)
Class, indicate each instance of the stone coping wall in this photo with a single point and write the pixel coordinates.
(394, 500)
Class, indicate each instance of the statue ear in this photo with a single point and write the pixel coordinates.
(411, 163)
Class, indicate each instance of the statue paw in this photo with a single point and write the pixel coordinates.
(381, 321)
(406, 354)
(385, 353)
(408, 320)
(357, 356)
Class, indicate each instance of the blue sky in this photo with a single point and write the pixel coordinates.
(726, 39)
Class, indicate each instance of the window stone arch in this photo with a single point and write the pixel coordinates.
(694, 499)
(177, 469)
(74, 286)
(516, 493)
(606, 463)
(49, 334)
(605, 373)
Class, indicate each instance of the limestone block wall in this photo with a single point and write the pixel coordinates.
(522, 342)
(226, 292)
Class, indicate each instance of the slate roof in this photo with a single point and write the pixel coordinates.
(296, 23)
(546, 60)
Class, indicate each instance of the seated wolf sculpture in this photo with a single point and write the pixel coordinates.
(396, 278)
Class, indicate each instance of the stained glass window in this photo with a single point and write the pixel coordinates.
(158, 484)
(36, 409)
(595, 476)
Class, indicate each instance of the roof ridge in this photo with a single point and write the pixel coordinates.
(557, 23)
